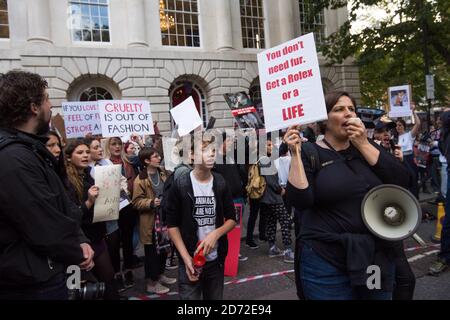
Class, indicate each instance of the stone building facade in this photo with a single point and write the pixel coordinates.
(160, 51)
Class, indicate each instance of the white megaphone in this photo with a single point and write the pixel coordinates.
(392, 213)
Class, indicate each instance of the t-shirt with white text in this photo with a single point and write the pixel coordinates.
(204, 211)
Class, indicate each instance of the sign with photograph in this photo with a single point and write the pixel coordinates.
(243, 110)
(399, 101)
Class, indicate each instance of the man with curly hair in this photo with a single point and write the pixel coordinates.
(39, 226)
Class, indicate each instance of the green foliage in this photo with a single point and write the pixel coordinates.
(391, 52)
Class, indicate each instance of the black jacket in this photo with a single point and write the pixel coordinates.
(39, 225)
(180, 207)
(95, 232)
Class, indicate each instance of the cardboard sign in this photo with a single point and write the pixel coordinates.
(291, 84)
(399, 101)
(234, 244)
(81, 118)
(186, 117)
(107, 204)
(123, 117)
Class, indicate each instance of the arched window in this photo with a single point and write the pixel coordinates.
(255, 94)
(183, 89)
(95, 94)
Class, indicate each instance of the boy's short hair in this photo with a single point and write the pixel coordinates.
(206, 140)
(146, 153)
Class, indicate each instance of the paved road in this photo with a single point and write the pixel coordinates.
(278, 281)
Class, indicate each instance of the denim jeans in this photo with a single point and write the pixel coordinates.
(210, 286)
(322, 281)
(445, 235)
(444, 177)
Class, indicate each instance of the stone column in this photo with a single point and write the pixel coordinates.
(39, 29)
(136, 24)
(286, 13)
(224, 28)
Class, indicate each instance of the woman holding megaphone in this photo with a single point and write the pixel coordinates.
(339, 258)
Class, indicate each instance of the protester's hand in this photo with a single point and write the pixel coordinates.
(157, 202)
(356, 132)
(89, 135)
(190, 272)
(88, 255)
(398, 153)
(293, 139)
(208, 244)
(92, 195)
(283, 192)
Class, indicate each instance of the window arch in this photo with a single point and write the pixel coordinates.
(183, 89)
(93, 89)
(95, 94)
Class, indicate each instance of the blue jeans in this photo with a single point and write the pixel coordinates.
(210, 285)
(321, 280)
(445, 235)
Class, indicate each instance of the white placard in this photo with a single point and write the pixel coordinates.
(123, 117)
(107, 179)
(399, 101)
(291, 85)
(171, 153)
(186, 116)
(81, 118)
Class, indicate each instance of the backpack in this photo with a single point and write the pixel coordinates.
(256, 182)
(166, 188)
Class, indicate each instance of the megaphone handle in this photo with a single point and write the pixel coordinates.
(419, 240)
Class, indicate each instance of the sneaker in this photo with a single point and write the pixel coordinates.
(437, 267)
(252, 244)
(288, 256)
(166, 280)
(156, 287)
(120, 283)
(129, 279)
(274, 252)
(171, 264)
(242, 258)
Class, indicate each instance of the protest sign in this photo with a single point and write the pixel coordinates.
(243, 110)
(171, 153)
(107, 179)
(123, 117)
(399, 101)
(186, 116)
(291, 85)
(81, 118)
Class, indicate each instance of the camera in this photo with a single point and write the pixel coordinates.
(88, 291)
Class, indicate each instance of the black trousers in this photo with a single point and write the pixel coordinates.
(255, 207)
(127, 222)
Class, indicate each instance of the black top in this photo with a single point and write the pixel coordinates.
(39, 225)
(95, 232)
(235, 176)
(332, 223)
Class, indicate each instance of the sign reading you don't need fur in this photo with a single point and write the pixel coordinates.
(291, 85)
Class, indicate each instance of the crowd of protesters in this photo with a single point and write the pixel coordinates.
(47, 208)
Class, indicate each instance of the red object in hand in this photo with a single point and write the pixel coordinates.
(199, 261)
